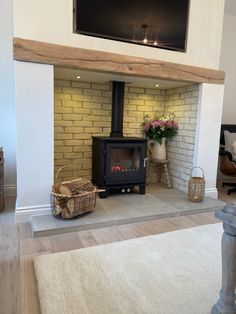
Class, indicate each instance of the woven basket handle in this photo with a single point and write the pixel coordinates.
(203, 174)
(60, 169)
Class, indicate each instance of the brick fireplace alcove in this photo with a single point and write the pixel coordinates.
(83, 110)
(86, 106)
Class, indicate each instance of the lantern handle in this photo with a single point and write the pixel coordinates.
(191, 172)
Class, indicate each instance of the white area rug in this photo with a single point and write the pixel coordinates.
(172, 273)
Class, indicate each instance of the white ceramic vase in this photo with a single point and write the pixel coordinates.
(157, 150)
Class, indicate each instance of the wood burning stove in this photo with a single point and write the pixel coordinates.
(119, 163)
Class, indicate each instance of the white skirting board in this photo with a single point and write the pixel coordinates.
(10, 190)
(212, 192)
(23, 214)
(209, 192)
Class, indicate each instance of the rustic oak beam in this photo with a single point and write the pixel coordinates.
(84, 59)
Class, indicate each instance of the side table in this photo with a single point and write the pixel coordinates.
(162, 163)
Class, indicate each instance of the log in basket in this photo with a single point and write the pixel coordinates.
(73, 198)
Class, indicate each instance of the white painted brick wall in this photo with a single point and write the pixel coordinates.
(180, 150)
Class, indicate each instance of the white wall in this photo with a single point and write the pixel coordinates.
(35, 137)
(228, 64)
(206, 152)
(51, 21)
(7, 105)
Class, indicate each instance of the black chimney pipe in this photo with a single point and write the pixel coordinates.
(118, 89)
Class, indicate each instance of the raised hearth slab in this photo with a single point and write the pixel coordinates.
(124, 209)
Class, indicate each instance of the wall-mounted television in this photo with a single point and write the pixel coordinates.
(155, 23)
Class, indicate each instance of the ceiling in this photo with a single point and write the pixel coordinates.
(98, 77)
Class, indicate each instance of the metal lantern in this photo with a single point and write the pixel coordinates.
(196, 187)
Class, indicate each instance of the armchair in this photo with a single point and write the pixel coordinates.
(227, 165)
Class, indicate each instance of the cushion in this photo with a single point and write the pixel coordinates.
(234, 150)
(230, 138)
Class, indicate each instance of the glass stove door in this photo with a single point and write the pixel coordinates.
(125, 159)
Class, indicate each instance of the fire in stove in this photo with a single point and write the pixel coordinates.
(125, 159)
(122, 169)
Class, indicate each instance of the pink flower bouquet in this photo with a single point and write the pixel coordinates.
(158, 128)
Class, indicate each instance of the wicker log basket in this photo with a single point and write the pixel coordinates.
(70, 199)
(196, 187)
(2, 203)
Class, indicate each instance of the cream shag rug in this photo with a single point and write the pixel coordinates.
(177, 272)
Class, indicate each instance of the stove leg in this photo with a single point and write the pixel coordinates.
(103, 194)
(142, 189)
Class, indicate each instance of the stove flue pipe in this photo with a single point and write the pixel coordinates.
(118, 89)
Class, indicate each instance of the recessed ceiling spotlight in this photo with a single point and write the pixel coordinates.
(155, 43)
(157, 85)
(145, 40)
(77, 76)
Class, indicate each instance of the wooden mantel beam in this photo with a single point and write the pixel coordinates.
(84, 59)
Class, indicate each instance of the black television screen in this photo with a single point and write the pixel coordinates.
(155, 23)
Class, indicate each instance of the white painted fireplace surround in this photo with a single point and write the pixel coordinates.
(35, 136)
(51, 22)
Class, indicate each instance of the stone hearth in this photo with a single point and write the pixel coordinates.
(118, 209)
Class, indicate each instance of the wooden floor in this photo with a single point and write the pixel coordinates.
(17, 249)
(9, 261)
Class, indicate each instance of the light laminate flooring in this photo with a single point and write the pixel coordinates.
(9, 260)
